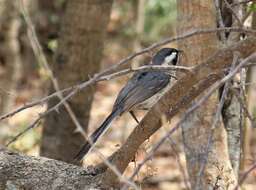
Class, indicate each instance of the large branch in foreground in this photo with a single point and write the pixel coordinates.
(18, 171)
(176, 100)
(41, 173)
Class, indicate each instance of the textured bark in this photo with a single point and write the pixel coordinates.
(9, 53)
(18, 171)
(23, 171)
(239, 10)
(232, 121)
(217, 171)
(232, 112)
(78, 56)
(175, 101)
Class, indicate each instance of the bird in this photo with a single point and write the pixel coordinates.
(141, 92)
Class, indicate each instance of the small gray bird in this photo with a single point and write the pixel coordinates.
(142, 91)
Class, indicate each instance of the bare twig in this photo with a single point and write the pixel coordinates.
(36, 46)
(240, 23)
(191, 109)
(105, 76)
(170, 132)
(182, 169)
(115, 170)
(31, 126)
(242, 2)
(77, 88)
(228, 77)
(183, 92)
(247, 113)
(220, 19)
(32, 104)
(215, 121)
(245, 175)
(172, 39)
(97, 77)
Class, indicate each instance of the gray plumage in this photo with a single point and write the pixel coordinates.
(142, 91)
(140, 87)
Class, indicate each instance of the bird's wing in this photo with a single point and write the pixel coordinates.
(140, 87)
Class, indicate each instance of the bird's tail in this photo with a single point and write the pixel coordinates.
(95, 136)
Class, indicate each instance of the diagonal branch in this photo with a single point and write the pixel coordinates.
(50, 174)
(176, 100)
(105, 75)
(41, 58)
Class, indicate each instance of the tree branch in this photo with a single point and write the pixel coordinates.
(176, 100)
(18, 171)
(41, 173)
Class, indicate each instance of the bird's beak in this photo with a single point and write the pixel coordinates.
(181, 52)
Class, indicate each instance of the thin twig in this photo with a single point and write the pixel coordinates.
(96, 77)
(115, 170)
(83, 85)
(191, 109)
(220, 19)
(245, 175)
(240, 23)
(41, 58)
(215, 122)
(173, 39)
(34, 103)
(104, 76)
(92, 81)
(247, 113)
(31, 126)
(242, 2)
(182, 169)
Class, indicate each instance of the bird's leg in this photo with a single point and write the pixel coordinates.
(134, 117)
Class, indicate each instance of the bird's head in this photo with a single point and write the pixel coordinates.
(166, 56)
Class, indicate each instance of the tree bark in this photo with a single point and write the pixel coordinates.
(9, 53)
(18, 171)
(206, 170)
(78, 56)
(24, 171)
(232, 112)
(232, 120)
(179, 98)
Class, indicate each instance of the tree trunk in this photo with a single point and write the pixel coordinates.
(23, 172)
(139, 30)
(232, 111)
(249, 128)
(9, 53)
(78, 56)
(213, 169)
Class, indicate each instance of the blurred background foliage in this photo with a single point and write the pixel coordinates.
(160, 18)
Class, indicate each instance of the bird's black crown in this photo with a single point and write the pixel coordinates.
(162, 55)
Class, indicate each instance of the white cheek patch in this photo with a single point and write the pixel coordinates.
(171, 57)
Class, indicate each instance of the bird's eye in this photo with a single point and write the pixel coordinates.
(142, 75)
